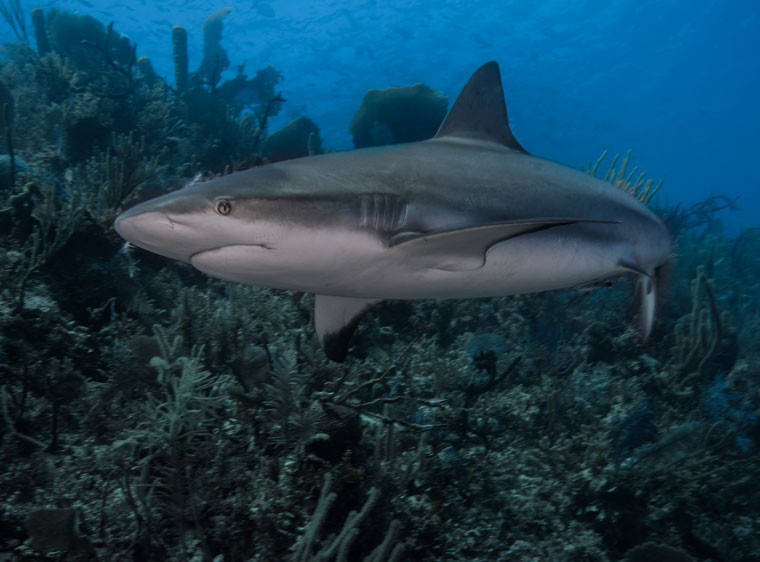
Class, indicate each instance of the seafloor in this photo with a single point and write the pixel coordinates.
(151, 413)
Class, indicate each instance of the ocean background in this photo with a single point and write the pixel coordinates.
(676, 82)
(149, 412)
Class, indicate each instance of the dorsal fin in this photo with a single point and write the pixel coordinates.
(479, 111)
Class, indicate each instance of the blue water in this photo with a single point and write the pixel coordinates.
(524, 428)
(675, 81)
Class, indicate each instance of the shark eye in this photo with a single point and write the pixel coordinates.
(223, 207)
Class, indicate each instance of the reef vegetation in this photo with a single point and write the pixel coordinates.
(149, 412)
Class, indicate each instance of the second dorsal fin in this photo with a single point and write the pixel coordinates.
(479, 111)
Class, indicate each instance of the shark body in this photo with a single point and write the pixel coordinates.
(468, 213)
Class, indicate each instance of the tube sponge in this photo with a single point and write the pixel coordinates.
(215, 59)
(40, 33)
(146, 69)
(179, 49)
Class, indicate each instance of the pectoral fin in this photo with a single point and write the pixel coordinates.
(464, 249)
(335, 319)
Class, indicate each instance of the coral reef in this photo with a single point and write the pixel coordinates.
(298, 138)
(79, 38)
(151, 413)
(395, 115)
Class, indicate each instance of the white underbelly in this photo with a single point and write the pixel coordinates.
(361, 267)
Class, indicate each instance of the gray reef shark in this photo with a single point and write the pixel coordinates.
(468, 213)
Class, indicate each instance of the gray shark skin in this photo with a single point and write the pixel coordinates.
(468, 213)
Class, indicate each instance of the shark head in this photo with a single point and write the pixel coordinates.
(199, 218)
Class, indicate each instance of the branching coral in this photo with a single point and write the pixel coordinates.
(51, 218)
(701, 214)
(338, 547)
(700, 334)
(6, 125)
(640, 188)
(176, 422)
(293, 422)
(115, 174)
(13, 14)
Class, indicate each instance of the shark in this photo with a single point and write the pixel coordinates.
(467, 213)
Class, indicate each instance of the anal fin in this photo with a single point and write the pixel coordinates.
(335, 319)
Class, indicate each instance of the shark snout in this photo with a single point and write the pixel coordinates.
(161, 231)
(150, 230)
